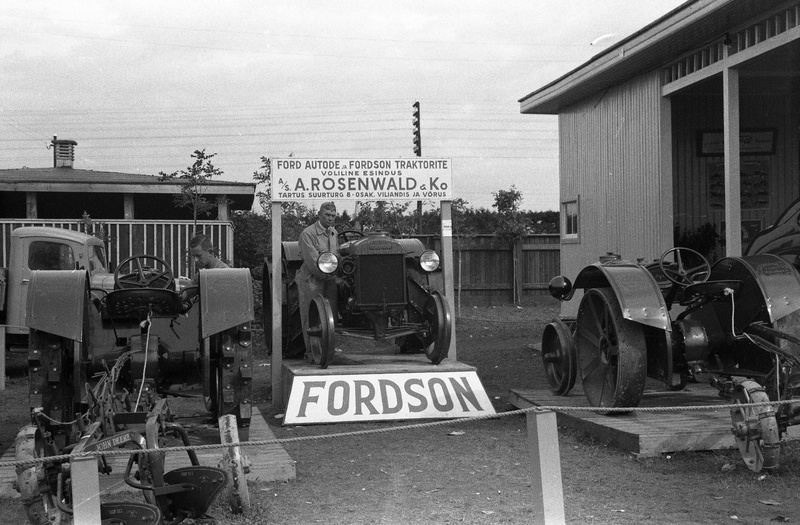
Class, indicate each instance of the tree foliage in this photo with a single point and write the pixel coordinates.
(193, 184)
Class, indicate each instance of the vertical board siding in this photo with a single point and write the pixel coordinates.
(168, 240)
(610, 157)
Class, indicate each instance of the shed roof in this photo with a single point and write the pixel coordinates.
(690, 25)
(241, 194)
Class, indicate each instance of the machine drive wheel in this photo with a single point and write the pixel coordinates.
(440, 327)
(612, 355)
(210, 380)
(559, 357)
(32, 483)
(321, 331)
(755, 428)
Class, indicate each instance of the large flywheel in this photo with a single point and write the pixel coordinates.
(755, 428)
(321, 331)
(612, 354)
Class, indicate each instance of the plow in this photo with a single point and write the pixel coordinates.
(106, 352)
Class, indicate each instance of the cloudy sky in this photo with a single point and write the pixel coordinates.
(141, 85)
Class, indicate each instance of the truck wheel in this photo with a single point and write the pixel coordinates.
(38, 497)
(612, 355)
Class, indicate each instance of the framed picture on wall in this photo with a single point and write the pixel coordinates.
(754, 177)
(711, 143)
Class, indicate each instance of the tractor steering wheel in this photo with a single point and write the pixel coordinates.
(349, 235)
(135, 272)
(689, 268)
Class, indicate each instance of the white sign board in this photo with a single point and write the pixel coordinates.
(383, 397)
(361, 179)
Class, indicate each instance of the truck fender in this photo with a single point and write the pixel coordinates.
(57, 302)
(636, 289)
(226, 299)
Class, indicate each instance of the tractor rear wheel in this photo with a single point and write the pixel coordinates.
(612, 354)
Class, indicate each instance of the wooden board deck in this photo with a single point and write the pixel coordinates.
(646, 433)
(267, 463)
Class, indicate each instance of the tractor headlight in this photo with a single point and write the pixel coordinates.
(327, 262)
(429, 260)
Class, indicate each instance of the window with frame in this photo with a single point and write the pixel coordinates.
(570, 220)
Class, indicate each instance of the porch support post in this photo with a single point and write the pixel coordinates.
(733, 201)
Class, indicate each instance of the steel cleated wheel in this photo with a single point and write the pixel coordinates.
(440, 327)
(38, 490)
(321, 332)
(755, 428)
(559, 356)
(612, 356)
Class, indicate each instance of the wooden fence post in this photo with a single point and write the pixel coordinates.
(548, 493)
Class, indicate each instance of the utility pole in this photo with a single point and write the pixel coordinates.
(418, 151)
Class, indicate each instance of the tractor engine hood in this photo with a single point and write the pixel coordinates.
(379, 243)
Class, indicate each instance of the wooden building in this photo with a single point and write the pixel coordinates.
(663, 129)
(133, 213)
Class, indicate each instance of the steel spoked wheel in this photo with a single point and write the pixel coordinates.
(611, 350)
(559, 357)
(440, 328)
(33, 484)
(755, 428)
(321, 331)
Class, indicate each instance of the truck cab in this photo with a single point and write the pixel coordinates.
(44, 248)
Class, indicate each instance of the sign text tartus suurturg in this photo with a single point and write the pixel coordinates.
(361, 179)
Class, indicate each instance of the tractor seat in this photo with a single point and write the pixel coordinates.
(137, 302)
(710, 289)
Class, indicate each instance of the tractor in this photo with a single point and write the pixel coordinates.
(106, 351)
(390, 290)
(734, 324)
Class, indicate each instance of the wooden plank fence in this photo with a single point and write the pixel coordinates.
(166, 239)
(484, 272)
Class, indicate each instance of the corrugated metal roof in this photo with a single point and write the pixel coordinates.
(692, 24)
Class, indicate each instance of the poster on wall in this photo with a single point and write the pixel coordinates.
(754, 184)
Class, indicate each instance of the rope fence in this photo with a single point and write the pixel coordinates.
(430, 424)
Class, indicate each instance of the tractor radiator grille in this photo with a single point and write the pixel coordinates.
(380, 281)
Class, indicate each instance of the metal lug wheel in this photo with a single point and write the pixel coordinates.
(321, 331)
(559, 357)
(440, 327)
(612, 355)
(33, 483)
(755, 428)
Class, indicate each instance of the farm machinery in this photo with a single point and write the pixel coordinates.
(105, 353)
(390, 289)
(734, 324)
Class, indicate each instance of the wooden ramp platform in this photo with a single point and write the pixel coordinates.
(645, 433)
(267, 463)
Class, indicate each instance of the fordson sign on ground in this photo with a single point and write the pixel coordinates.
(382, 397)
(361, 179)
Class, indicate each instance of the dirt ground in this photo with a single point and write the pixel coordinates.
(480, 472)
